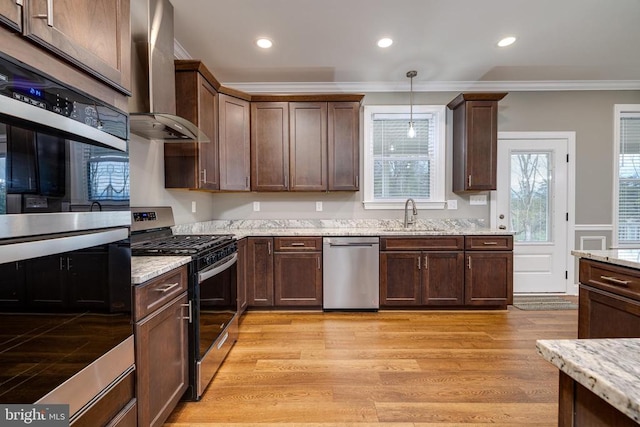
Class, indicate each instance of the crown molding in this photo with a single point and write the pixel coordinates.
(452, 86)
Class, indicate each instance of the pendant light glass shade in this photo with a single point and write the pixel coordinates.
(411, 133)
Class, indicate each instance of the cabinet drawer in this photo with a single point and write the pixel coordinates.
(298, 244)
(488, 243)
(422, 243)
(153, 294)
(615, 279)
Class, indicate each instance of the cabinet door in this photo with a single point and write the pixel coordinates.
(269, 146)
(161, 361)
(260, 271)
(443, 278)
(12, 292)
(94, 35)
(11, 14)
(308, 146)
(400, 274)
(298, 279)
(482, 145)
(88, 279)
(343, 127)
(194, 165)
(603, 314)
(242, 276)
(235, 159)
(488, 278)
(43, 288)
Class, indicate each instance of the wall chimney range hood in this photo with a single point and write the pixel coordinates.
(152, 107)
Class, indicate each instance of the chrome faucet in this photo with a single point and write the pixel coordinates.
(410, 221)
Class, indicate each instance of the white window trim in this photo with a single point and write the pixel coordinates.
(619, 110)
(438, 183)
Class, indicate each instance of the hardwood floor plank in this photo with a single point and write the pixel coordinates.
(395, 368)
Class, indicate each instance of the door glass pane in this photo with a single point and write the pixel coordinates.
(530, 196)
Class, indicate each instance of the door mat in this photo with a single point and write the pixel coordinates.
(544, 302)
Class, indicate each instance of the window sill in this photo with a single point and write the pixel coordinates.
(400, 205)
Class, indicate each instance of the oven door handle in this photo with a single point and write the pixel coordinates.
(207, 274)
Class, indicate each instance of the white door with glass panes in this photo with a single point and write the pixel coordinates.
(531, 202)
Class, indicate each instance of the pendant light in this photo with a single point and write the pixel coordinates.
(412, 132)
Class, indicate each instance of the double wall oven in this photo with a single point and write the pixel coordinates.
(212, 288)
(65, 257)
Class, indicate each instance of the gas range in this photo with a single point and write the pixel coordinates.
(151, 235)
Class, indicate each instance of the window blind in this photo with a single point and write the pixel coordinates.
(402, 166)
(629, 180)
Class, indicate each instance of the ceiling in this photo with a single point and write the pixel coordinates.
(330, 45)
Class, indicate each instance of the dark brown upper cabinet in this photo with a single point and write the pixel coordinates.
(308, 146)
(193, 165)
(234, 140)
(475, 141)
(270, 146)
(343, 145)
(11, 14)
(94, 35)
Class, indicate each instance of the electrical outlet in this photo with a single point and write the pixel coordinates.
(478, 199)
(452, 204)
(256, 206)
(193, 206)
(318, 206)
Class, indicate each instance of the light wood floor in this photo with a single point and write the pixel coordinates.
(388, 368)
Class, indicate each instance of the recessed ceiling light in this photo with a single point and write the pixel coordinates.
(507, 41)
(264, 43)
(385, 42)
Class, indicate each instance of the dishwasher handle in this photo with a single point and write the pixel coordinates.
(367, 245)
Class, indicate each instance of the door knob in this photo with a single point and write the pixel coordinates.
(501, 216)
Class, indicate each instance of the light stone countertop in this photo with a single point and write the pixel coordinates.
(610, 368)
(145, 268)
(623, 257)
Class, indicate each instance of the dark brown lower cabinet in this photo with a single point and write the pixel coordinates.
(298, 279)
(284, 272)
(609, 301)
(488, 278)
(260, 271)
(421, 278)
(242, 276)
(116, 408)
(161, 339)
(580, 407)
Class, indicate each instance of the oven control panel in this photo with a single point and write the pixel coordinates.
(24, 84)
(144, 216)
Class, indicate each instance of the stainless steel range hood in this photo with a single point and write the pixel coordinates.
(152, 107)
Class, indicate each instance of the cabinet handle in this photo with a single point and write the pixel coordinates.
(246, 182)
(286, 181)
(419, 260)
(469, 262)
(616, 281)
(297, 244)
(189, 311)
(69, 264)
(426, 262)
(269, 248)
(318, 259)
(61, 263)
(490, 243)
(168, 287)
(203, 174)
(469, 180)
(357, 181)
(48, 16)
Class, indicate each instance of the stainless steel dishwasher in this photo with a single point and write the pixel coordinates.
(350, 279)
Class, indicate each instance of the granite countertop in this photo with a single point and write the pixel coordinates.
(359, 227)
(145, 268)
(623, 257)
(607, 367)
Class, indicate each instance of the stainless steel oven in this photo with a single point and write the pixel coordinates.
(65, 257)
(212, 288)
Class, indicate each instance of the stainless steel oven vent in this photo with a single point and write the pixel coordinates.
(152, 106)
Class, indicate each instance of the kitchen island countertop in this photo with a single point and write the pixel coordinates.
(622, 257)
(607, 367)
